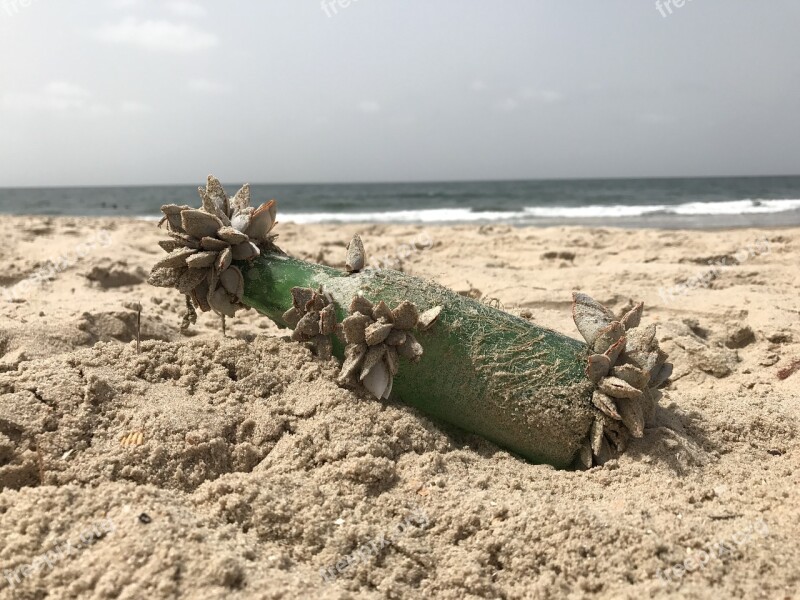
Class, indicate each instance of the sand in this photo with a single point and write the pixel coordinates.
(211, 466)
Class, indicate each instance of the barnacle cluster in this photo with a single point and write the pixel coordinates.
(376, 336)
(206, 241)
(627, 366)
(313, 317)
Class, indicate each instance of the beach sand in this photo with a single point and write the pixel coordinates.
(233, 467)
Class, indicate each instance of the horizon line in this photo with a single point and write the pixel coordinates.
(411, 182)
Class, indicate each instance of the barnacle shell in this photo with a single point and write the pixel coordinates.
(428, 318)
(379, 380)
(590, 316)
(133, 438)
(377, 332)
(356, 255)
(361, 305)
(615, 350)
(353, 357)
(585, 454)
(605, 404)
(405, 316)
(206, 241)
(355, 328)
(608, 336)
(410, 349)
(617, 388)
(598, 367)
(627, 366)
(175, 259)
(376, 338)
(601, 450)
(661, 376)
(633, 317)
(632, 375)
(632, 415)
(327, 320)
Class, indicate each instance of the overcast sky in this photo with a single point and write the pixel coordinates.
(153, 91)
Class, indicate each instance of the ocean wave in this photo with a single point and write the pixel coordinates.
(431, 215)
(594, 211)
(543, 213)
(613, 211)
(736, 207)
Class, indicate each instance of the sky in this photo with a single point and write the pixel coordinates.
(127, 92)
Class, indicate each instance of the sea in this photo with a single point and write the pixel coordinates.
(670, 203)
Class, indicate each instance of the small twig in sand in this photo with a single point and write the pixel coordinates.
(137, 306)
(139, 329)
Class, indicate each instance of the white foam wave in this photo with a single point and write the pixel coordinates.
(532, 213)
(614, 211)
(736, 207)
(433, 215)
(593, 211)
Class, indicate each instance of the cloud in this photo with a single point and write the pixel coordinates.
(507, 104)
(66, 90)
(207, 86)
(98, 110)
(55, 96)
(134, 107)
(124, 4)
(369, 106)
(528, 96)
(184, 8)
(65, 97)
(478, 86)
(543, 96)
(157, 35)
(177, 8)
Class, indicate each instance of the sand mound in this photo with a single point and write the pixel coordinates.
(255, 472)
(114, 274)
